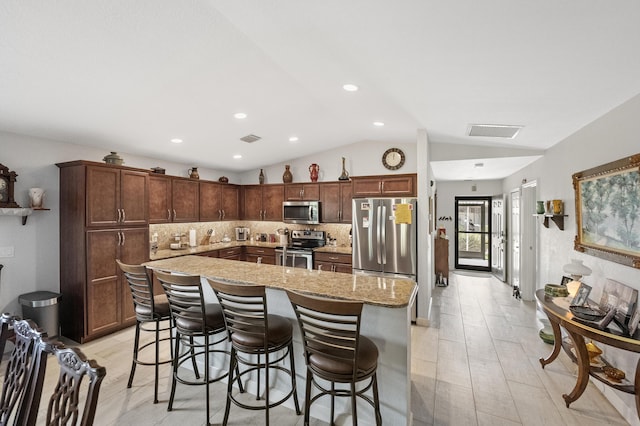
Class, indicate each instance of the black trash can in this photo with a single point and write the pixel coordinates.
(42, 308)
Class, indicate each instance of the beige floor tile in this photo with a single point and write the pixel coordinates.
(454, 405)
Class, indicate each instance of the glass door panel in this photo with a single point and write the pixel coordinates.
(473, 233)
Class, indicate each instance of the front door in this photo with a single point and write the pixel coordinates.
(473, 233)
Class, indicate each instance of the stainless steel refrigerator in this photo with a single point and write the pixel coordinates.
(385, 238)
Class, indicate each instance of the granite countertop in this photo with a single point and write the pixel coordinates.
(168, 253)
(387, 292)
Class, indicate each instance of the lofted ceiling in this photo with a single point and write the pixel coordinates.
(132, 75)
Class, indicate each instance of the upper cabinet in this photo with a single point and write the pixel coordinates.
(219, 201)
(385, 186)
(116, 197)
(335, 199)
(173, 199)
(302, 191)
(263, 202)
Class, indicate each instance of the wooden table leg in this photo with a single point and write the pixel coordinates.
(583, 368)
(636, 387)
(557, 343)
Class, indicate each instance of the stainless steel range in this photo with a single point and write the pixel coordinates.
(299, 252)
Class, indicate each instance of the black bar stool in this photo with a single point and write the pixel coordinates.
(194, 321)
(149, 309)
(255, 332)
(335, 351)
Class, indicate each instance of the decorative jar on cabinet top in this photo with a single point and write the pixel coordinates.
(287, 177)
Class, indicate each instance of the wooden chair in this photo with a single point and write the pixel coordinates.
(194, 320)
(24, 375)
(335, 351)
(64, 407)
(149, 309)
(254, 332)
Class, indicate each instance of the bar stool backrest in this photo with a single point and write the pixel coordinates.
(141, 290)
(24, 375)
(64, 406)
(6, 331)
(329, 328)
(245, 310)
(186, 300)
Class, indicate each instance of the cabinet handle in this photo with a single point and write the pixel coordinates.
(123, 238)
(333, 268)
(320, 267)
(119, 214)
(259, 260)
(119, 238)
(333, 258)
(382, 186)
(219, 214)
(169, 215)
(302, 193)
(124, 216)
(223, 214)
(174, 214)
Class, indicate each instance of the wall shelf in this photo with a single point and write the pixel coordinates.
(20, 211)
(558, 219)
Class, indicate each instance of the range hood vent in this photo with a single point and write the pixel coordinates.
(250, 138)
(494, 130)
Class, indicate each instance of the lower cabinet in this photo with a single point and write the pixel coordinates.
(266, 255)
(334, 262)
(232, 253)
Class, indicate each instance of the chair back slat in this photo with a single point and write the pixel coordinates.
(65, 406)
(24, 375)
(141, 287)
(186, 299)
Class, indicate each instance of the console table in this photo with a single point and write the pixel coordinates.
(560, 316)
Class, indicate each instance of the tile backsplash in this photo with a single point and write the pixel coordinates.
(166, 231)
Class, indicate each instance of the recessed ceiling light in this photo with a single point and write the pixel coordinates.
(293, 139)
(350, 87)
(378, 123)
(176, 140)
(240, 115)
(237, 156)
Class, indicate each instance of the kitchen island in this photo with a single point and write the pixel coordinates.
(385, 319)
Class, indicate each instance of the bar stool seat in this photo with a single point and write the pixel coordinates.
(191, 318)
(280, 331)
(161, 305)
(366, 363)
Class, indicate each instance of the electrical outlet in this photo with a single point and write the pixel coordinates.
(6, 251)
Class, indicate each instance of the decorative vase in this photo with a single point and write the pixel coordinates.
(540, 207)
(223, 179)
(557, 206)
(287, 177)
(549, 208)
(345, 174)
(261, 177)
(113, 158)
(313, 172)
(193, 173)
(36, 198)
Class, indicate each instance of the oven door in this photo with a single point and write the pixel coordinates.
(295, 259)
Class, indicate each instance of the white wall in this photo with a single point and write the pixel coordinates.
(447, 192)
(35, 265)
(607, 139)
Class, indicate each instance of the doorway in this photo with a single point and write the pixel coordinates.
(498, 236)
(514, 264)
(473, 233)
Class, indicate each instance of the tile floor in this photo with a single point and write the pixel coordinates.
(476, 364)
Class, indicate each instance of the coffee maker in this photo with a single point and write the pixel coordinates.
(242, 234)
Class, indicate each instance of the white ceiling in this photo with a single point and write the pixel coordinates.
(131, 75)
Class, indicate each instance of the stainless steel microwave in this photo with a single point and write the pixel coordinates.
(305, 212)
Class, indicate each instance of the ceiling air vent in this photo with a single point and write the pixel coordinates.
(494, 130)
(250, 138)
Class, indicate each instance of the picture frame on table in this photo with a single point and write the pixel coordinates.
(633, 323)
(606, 209)
(565, 280)
(625, 300)
(582, 295)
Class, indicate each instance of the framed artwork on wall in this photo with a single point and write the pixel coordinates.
(607, 210)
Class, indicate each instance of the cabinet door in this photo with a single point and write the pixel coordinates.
(341, 267)
(399, 185)
(159, 199)
(330, 202)
(103, 196)
(230, 202)
(345, 202)
(252, 202)
(134, 197)
(301, 191)
(134, 250)
(210, 201)
(272, 198)
(366, 186)
(103, 309)
(185, 200)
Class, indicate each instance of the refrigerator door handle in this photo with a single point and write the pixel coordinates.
(383, 230)
(378, 237)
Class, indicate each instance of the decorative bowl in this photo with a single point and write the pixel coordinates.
(613, 373)
(586, 313)
(113, 158)
(556, 290)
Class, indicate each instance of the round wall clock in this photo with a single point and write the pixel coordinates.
(7, 180)
(393, 158)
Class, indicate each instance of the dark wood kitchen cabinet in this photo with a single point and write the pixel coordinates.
(334, 262)
(385, 186)
(95, 296)
(335, 201)
(267, 255)
(302, 191)
(263, 202)
(173, 199)
(219, 201)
